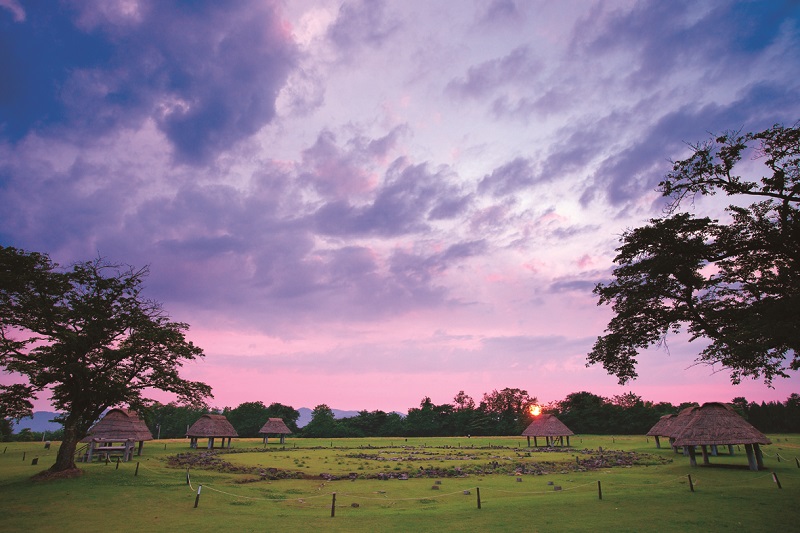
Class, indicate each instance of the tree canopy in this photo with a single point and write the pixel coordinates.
(87, 335)
(734, 283)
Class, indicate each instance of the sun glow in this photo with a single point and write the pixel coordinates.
(535, 410)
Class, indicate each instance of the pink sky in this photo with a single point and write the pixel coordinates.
(363, 203)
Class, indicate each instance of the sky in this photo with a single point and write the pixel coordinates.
(364, 203)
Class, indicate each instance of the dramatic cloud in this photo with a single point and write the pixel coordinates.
(346, 195)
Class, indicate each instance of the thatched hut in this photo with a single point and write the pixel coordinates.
(275, 426)
(661, 428)
(116, 434)
(211, 426)
(714, 424)
(549, 427)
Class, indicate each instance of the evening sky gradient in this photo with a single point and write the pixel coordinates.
(363, 203)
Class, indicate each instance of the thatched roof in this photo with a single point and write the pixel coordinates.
(275, 426)
(717, 423)
(662, 427)
(119, 425)
(547, 426)
(212, 426)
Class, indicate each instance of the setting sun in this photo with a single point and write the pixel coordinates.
(535, 410)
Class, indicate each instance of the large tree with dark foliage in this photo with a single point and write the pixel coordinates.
(87, 335)
(735, 283)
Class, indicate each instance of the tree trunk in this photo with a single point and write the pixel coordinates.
(65, 460)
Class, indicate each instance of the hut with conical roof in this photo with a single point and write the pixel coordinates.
(211, 426)
(549, 427)
(275, 426)
(716, 423)
(661, 428)
(116, 433)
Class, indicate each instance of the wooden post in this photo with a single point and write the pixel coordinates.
(691, 485)
(478, 491)
(197, 499)
(759, 456)
(187, 476)
(692, 456)
(777, 481)
(658, 443)
(35, 461)
(796, 460)
(536, 444)
(704, 450)
(599, 490)
(333, 505)
(136, 473)
(23, 456)
(529, 442)
(751, 457)
(117, 468)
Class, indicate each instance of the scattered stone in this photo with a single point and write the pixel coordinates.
(557, 487)
(354, 505)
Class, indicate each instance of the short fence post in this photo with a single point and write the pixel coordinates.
(197, 499)
(796, 460)
(333, 505)
(117, 468)
(136, 473)
(23, 456)
(478, 491)
(777, 481)
(599, 490)
(187, 476)
(691, 485)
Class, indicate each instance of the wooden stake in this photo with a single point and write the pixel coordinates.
(117, 468)
(478, 490)
(333, 505)
(796, 460)
(777, 481)
(691, 485)
(599, 490)
(197, 499)
(136, 473)
(23, 456)
(187, 476)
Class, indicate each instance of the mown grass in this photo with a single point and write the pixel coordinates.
(654, 494)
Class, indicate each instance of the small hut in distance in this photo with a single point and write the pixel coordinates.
(549, 427)
(275, 426)
(211, 426)
(662, 428)
(116, 434)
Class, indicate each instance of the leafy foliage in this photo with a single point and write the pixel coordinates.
(736, 284)
(88, 336)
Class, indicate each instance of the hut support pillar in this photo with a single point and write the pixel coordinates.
(141, 444)
(759, 456)
(692, 456)
(730, 449)
(210, 443)
(751, 457)
(567, 441)
(658, 443)
(529, 441)
(230, 439)
(714, 451)
(283, 439)
(536, 444)
(704, 450)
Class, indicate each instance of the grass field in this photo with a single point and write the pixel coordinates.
(518, 487)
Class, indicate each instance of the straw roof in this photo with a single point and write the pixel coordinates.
(211, 425)
(547, 426)
(119, 425)
(275, 426)
(662, 427)
(718, 423)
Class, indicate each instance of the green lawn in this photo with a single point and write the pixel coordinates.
(651, 493)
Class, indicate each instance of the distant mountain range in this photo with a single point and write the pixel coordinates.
(40, 421)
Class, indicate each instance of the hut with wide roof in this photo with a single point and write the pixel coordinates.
(714, 424)
(116, 434)
(211, 426)
(549, 427)
(275, 426)
(661, 428)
